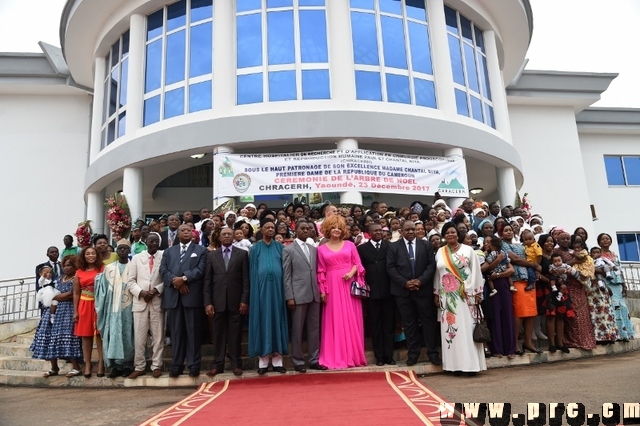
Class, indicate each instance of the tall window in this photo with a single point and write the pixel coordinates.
(282, 51)
(469, 66)
(622, 170)
(179, 60)
(629, 246)
(392, 52)
(114, 108)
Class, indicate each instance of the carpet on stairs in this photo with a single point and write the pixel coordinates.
(312, 399)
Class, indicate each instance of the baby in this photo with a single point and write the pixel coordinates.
(240, 241)
(47, 291)
(605, 264)
(496, 249)
(586, 266)
(558, 274)
(533, 252)
(279, 238)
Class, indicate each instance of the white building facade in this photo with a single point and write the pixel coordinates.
(148, 84)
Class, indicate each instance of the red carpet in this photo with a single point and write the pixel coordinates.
(311, 399)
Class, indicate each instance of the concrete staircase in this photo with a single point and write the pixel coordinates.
(19, 369)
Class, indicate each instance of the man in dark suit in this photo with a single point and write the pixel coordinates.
(381, 305)
(226, 298)
(169, 237)
(182, 270)
(467, 207)
(411, 264)
(56, 270)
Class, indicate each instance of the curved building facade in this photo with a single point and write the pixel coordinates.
(172, 79)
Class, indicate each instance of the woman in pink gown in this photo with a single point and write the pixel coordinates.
(342, 330)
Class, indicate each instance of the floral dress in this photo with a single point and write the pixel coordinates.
(621, 311)
(457, 281)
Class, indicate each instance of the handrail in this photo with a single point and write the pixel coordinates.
(18, 299)
(8, 280)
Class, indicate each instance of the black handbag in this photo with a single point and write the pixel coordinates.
(360, 290)
(481, 333)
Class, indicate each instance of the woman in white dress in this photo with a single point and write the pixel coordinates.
(458, 288)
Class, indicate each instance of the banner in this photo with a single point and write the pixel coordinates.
(338, 170)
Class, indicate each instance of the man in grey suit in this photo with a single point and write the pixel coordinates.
(299, 261)
(182, 270)
(226, 299)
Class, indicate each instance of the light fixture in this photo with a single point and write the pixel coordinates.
(476, 191)
(197, 156)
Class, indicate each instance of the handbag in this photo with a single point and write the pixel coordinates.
(481, 333)
(360, 290)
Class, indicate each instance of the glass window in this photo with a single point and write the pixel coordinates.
(629, 247)
(175, 59)
(201, 49)
(615, 174)
(313, 36)
(279, 3)
(315, 84)
(632, 170)
(416, 9)
(122, 123)
(451, 19)
(282, 86)
(420, 50)
(425, 93)
(391, 6)
(491, 121)
(465, 24)
(472, 72)
(154, 24)
(368, 86)
(151, 110)
(174, 103)
(115, 53)
(249, 89)
(125, 44)
(393, 41)
(153, 66)
(200, 96)
(365, 39)
(201, 9)
(479, 38)
(398, 89)
(249, 40)
(362, 4)
(124, 80)
(461, 102)
(311, 2)
(486, 89)
(280, 41)
(111, 131)
(456, 59)
(476, 109)
(176, 15)
(246, 5)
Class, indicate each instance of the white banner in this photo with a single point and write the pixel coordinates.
(338, 170)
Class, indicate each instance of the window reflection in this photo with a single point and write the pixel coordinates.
(282, 86)
(115, 90)
(200, 96)
(368, 87)
(174, 103)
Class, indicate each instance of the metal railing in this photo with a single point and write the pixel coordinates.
(18, 299)
(631, 273)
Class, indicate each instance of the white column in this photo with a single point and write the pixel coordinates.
(219, 150)
(135, 83)
(496, 83)
(440, 58)
(454, 202)
(95, 211)
(132, 181)
(96, 112)
(506, 185)
(224, 56)
(343, 86)
(352, 197)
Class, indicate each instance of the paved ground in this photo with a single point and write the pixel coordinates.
(589, 381)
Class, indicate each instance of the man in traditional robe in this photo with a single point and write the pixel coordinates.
(114, 305)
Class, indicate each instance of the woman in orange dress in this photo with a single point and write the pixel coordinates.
(89, 265)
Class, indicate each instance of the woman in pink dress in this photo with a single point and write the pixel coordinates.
(342, 330)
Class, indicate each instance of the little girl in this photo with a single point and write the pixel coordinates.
(47, 292)
(533, 252)
(585, 268)
(605, 264)
(496, 249)
(240, 241)
(394, 223)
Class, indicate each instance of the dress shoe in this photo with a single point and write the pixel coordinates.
(280, 369)
(564, 349)
(214, 372)
(317, 366)
(237, 371)
(156, 373)
(194, 373)
(262, 371)
(533, 350)
(136, 374)
(126, 372)
(300, 369)
(115, 372)
(435, 360)
(552, 349)
(379, 363)
(411, 361)
(389, 361)
(175, 373)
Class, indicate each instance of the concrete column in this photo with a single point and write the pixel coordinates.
(219, 150)
(98, 101)
(440, 58)
(224, 55)
(135, 83)
(496, 83)
(454, 202)
(354, 197)
(343, 86)
(95, 211)
(506, 186)
(132, 181)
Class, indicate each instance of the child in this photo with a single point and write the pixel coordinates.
(604, 264)
(279, 238)
(558, 275)
(240, 241)
(585, 268)
(534, 255)
(394, 223)
(496, 249)
(47, 291)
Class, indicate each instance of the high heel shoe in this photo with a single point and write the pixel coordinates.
(552, 349)
(564, 349)
(534, 350)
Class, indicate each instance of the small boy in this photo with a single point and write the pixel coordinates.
(605, 264)
(558, 274)
(240, 241)
(533, 252)
(496, 249)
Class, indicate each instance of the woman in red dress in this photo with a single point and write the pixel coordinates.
(89, 265)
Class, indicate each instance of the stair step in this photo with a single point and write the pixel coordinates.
(15, 349)
(25, 339)
(35, 378)
(18, 363)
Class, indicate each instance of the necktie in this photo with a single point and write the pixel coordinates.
(378, 245)
(183, 251)
(226, 257)
(305, 249)
(412, 259)
(172, 236)
(471, 219)
(150, 264)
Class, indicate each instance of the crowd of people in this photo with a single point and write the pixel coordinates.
(434, 273)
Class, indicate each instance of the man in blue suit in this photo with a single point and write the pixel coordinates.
(182, 270)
